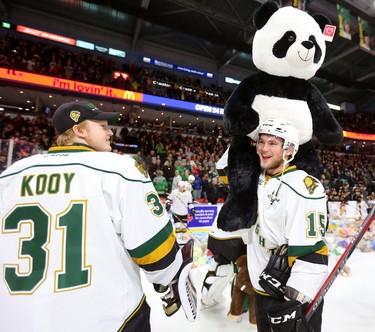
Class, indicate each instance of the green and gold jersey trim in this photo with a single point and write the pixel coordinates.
(156, 251)
(287, 170)
(317, 253)
(70, 149)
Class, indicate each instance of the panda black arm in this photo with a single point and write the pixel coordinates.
(325, 126)
(240, 118)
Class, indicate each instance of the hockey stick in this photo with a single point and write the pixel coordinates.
(340, 264)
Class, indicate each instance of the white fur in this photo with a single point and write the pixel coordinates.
(295, 111)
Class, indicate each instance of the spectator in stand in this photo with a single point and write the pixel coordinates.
(160, 183)
(154, 168)
(178, 167)
(212, 173)
(213, 191)
(205, 184)
(159, 148)
(176, 179)
(185, 175)
(168, 171)
(197, 186)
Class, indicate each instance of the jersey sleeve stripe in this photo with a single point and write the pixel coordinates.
(315, 258)
(164, 262)
(155, 248)
(316, 253)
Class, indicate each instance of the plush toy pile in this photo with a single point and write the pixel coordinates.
(288, 49)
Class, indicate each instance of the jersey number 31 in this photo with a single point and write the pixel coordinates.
(72, 224)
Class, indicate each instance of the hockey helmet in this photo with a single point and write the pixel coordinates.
(181, 184)
(283, 129)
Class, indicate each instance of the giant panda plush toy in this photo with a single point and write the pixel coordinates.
(288, 49)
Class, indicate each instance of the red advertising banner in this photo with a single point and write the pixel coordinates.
(359, 136)
(64, 84)
(46, 35)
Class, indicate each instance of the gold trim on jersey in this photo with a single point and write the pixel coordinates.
(158, 253)
(287, 170)
(261, 292)
(70, 148)
(133, 313)
(323, 251)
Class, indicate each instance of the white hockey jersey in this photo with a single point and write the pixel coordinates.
(181, 201)
(298, 217)
(76, 225)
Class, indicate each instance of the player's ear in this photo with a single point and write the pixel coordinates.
(289, 151)
(79, 130)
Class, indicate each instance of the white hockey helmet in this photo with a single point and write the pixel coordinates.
(181, 184)
(191, 178)
(283, 129)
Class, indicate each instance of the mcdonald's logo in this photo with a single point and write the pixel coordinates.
(129, 95)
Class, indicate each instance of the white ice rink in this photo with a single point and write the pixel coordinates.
(349, 304)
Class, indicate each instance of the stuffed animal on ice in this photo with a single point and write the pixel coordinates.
(288, 48)
(242, 288)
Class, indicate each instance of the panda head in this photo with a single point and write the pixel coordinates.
(288, 41)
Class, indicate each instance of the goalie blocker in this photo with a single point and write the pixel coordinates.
(181, 291)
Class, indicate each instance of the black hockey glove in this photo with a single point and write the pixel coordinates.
(192, 212)
(288, 316)
(181, 290)
(167, 205)
(277, 272)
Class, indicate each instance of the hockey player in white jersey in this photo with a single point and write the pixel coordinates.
(77, 225)
(287, 254)
(179, 202)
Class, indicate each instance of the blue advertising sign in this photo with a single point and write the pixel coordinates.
(164, 64)
(184, 105)
(204, 216)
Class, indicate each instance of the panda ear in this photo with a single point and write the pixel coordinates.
(263, 13)
(322, 20)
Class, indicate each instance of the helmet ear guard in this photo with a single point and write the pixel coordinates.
(283, 129)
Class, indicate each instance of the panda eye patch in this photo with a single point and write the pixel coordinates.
(291, 38)
(281, 47)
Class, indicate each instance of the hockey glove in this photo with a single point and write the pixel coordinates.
(288, 316)
(274, 277)
(192, 212)
(167, 205)
(181, 290)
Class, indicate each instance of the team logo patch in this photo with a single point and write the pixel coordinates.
(74, 115)
(310, 184)
(141, 169)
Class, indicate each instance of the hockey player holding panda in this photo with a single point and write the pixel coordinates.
(287, 255)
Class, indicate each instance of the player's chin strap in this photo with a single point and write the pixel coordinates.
(181, 290)
(286, 162)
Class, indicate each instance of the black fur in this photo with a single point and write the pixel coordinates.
(240, 209)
